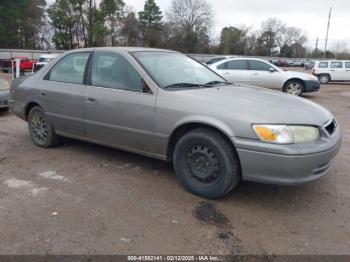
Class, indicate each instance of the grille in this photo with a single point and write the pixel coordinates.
(331, 127)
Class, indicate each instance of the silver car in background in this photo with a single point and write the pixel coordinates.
(165, 105)
(258, 72)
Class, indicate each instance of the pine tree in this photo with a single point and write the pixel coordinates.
(150, 20)
(114, 14)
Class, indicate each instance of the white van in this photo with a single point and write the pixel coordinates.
(332, 70)
(44, 60)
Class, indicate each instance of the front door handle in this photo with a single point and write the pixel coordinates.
(42, 94)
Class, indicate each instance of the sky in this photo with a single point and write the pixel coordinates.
(309, 15)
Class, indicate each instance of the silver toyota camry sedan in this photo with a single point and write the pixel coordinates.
(163, 104)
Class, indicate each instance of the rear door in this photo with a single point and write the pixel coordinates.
(347, 71)
(262, 76)
(62, 93)
(235, 71)
(337, 71)
(119, 105)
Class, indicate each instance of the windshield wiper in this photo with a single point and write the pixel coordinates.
(181, 85)
(212, 83)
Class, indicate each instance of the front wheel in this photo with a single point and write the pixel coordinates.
(40, 129)
(206, 163)
(324, 79)
(294, 87)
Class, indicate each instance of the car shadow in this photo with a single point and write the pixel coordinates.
(250, 193)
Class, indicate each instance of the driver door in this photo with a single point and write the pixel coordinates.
(261, 75)
(119, 105)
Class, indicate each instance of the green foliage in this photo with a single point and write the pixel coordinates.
(130, 29)
(113, 12)
(20, 22)
(233, 40)
(63, 20)
(150, 20)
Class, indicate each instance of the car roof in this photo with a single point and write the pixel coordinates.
(237, 58)
(122, 49)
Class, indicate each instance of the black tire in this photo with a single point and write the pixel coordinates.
(324, 78)
(41, 130)
(4, 109)
(294, 87)
(206, 163)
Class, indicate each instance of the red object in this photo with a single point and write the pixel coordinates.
(26, 64)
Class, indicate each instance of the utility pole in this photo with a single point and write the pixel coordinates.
(329, 23)
(316, 47)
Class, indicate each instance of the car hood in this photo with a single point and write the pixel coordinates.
(253, 105)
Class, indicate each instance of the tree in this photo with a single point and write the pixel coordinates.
(150, 20)
(289, 38)
(113, 11)
(20, 23)
(130, 30)
(267, 41)
(233, 40)
(191, 20)
(62, 20)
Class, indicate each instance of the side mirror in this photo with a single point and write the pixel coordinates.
(272, 70)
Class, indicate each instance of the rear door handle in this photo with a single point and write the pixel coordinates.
(42, 94)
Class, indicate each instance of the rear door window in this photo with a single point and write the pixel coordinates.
(337, 64)
(237, 65)
(70, 69)
(347, 65)
(323, 65)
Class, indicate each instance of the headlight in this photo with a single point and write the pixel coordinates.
(286, 134)
(314, 78)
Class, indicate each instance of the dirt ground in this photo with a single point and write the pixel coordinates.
(82, 198)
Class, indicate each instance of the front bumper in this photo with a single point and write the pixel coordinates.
(4, 99)
(287, 164)
(311, 86)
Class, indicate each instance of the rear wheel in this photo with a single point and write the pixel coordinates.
(40, 129)
(206, 163)
(324, 79)
(294, 87)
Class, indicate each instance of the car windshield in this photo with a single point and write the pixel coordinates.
(175, 70)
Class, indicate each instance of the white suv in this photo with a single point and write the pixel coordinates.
(336, 70)
(258, 72)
